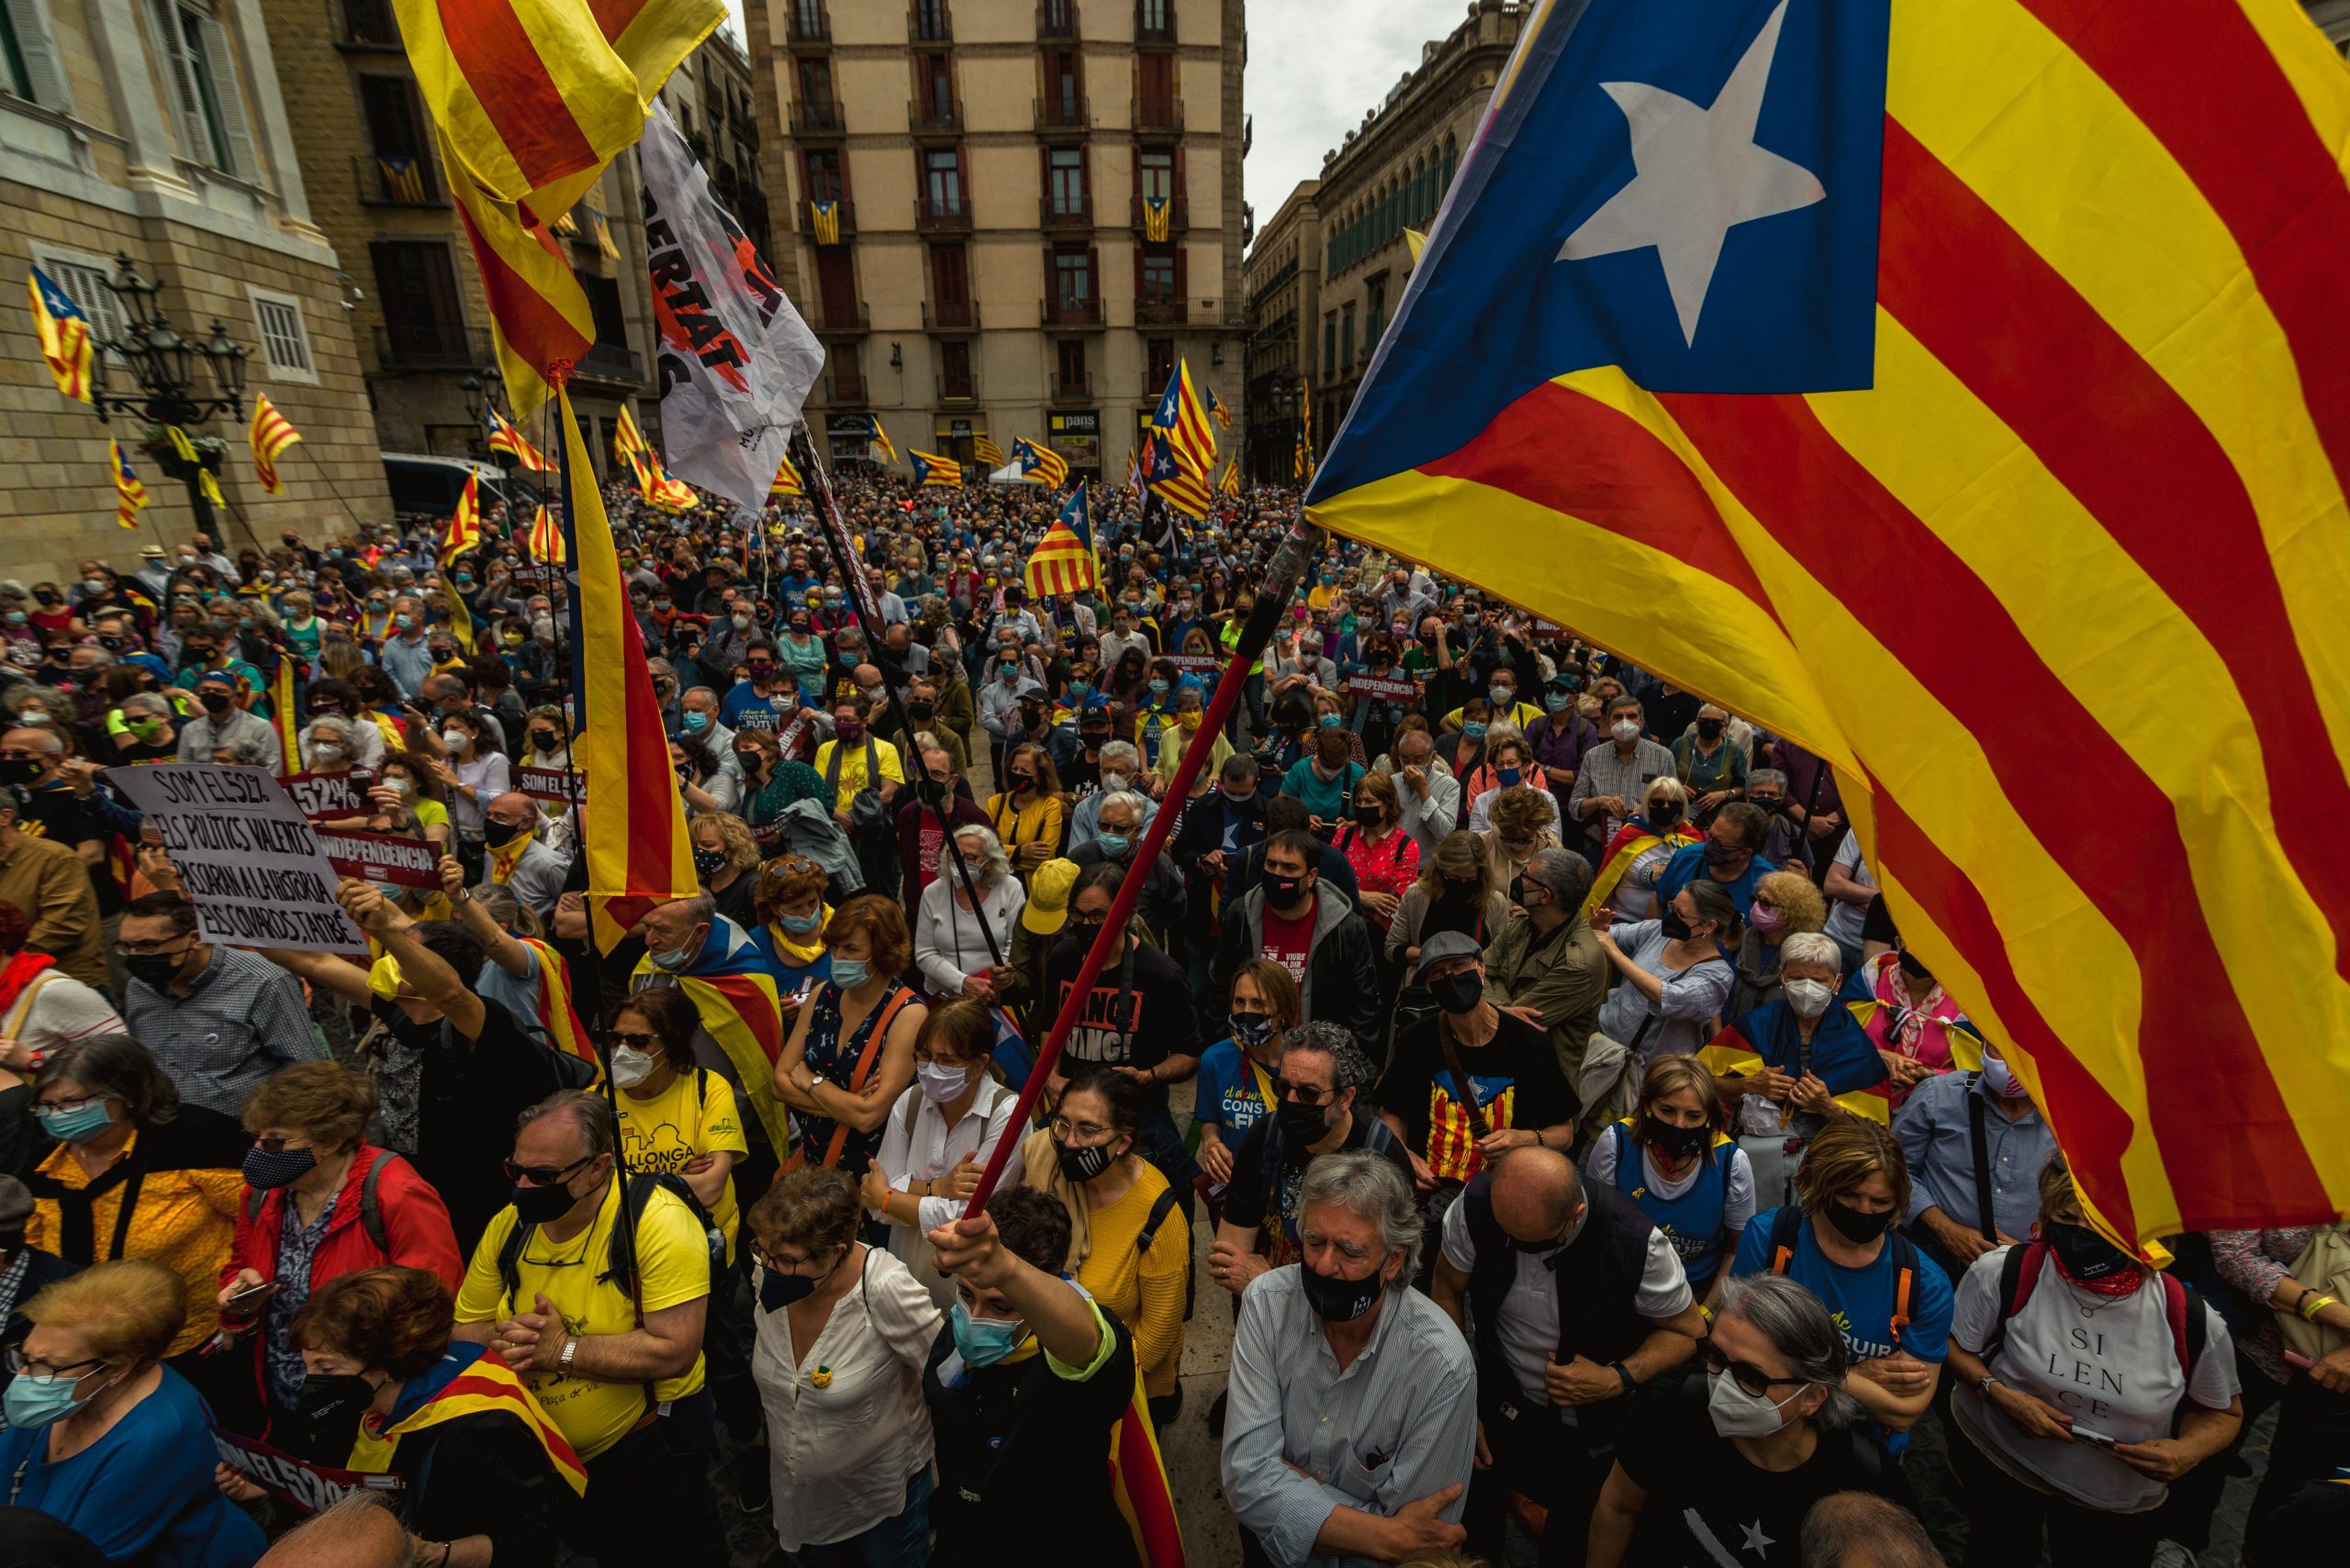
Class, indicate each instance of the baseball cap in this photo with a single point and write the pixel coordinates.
(1049, 885)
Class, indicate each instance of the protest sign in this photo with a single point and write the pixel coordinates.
(1195, 661)
(547, 783)
(331, 797)
(247, 855)
(383, 858)
(313, 1489)
(1385, 687)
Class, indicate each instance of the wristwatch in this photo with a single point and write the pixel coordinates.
(1625, 1373)
(570, 1348)
(1983, 1384)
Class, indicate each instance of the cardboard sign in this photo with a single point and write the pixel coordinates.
(331, 797)
(1195, 661)
(1390, 688)
(547, 783)
(383, 858)
(249, 858)
(313, 1489)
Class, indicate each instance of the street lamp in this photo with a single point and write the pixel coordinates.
(481, 388)
(162, 364)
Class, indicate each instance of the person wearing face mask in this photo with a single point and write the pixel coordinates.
(2038, 1458)
(675, 1118)
(1578, 1300)
(1841, 1239)
(1549, 964)
(1026, 813)
(850, 1053)
(516, 858)
(320, 1201)
(105, 1438)
(474, 773)
(767, 698)
(1971, 1139)
(1675, 974)
(843, 1334)
(1508, 765)
(1709, 762)
(1785, 903)
(1351, 1431)
(1324, 781)
(594, 1285)
(1005, 1462)
(1637, 856)
(1122, 816)
(223, 721)
(726, 863)
(1727, 857)
(1297, 913)
(1744, 1452)
(1238, 1082)
(1117, 765)
(1675, 1158)
(144, 729)
(406, 784)
(1617, 773)
(1916, 1025)
(220, 1019)
(939, 1136)
(1189, 710)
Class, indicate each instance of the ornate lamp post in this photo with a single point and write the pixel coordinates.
(162, 366)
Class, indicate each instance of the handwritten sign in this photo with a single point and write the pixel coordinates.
(331, 797)
(383, 858)
(547, 783)
(250, 859)
(1384, 686)
(313, 1489)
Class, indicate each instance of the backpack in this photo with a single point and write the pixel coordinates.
(2323, 1267)
(2182, 1308)
(371, 1211)
(1787, 1220)
(619, 1258)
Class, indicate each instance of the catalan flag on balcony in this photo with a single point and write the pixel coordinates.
(787, 482)
(565, 223)
(505, 438)
(1040, 464)
(403, 178)
(942, 471)
(1302, 461)
(129, 495)
(270, 435)
(877, 437)
(987, 451)
(1157, 219)
(64, 333)
(545, 539)
(1062, 562)
(824, 221)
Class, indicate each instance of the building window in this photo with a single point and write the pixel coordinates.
(29, 66)
(204, 89)
(284, 341)
(955, 368)
(604, 304)
(1161, 352)
(937, 82)
(815, 83)
(1072, 276)
(1156, 172)
(1377, 309)
(930, 19)
(1158, 277)
(1329, 343)
(942, 182)
(1346, 339)
(417, 287)
(1067, 186)
(823, 175)
(1155, 16)
(1063, 71)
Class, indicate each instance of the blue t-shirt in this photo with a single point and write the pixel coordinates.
(1861, 1300)
(745, 709)
(1689, 860)
(1227, 1091)
(144, 1491)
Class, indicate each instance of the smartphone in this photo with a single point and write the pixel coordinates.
(247, 1302)
(2090, 1435)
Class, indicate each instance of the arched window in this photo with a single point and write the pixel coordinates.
(1450, 157)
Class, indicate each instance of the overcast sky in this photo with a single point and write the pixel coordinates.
(1314, 67)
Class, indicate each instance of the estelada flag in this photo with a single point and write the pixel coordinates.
(1062, 562)
(472, 1381)
(129, 495)
(1958, 391)
(932, 470)
(734, 993)
(270, 435)
(65, 334)
(505, 438)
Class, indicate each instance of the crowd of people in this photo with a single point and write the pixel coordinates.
(1588, 1169)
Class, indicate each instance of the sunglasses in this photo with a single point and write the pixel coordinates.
(539, 1175)
(1748, 1376)
(632, 1040)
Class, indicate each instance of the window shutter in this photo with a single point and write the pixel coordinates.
(229, 96)
(44, 70)
(1176, 190)
(196, 137)
(1182, 273)
(1093, 271)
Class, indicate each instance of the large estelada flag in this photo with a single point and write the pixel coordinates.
(734, 993)
(1062, 560)
(1040, 464)
(65, 334)
(1960, 391)
(1183, 469)
(505, 438)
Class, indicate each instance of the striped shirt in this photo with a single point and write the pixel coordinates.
(1605, 773)
(242, 1020)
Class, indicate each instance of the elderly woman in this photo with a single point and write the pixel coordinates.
(104, 1436)
(474, 773)
(1744, 1452)
(1917, 1026)
(2078, 1397)
(1785, 903)
(851, 1053)
(146, 731)
(138, 1174)
(958, 943)
(1524, 823)
(726, 862)
(788, 918)
(1637, 856)
(842, 1334)
(1455, 891)
(320, 1200)
(1792, 1066)
(1675, 1158)
(1673, 975)
(409, 783)
(1384, 859)
(1123, 816)
(1509, 763)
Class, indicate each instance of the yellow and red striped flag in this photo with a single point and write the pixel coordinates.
(65, 334)
(1230, 484)
(985, 449)
(634, 826)
(270, 435)
(1997, 411)
(505, 438)
(465, 524)
(1062, 560)
(129, 495)
(787, 482)
(1180, 465)
(545, 539)
(930, 469)
(627, 440)
(485, 1386)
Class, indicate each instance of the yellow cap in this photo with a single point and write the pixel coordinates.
(1047, 910)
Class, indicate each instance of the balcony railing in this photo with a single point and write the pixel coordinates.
(363, 24)
(1069, 313)
(810, 23)
(1157, 115)
(958, 388)
(1056, 213)
(931, 217)
(950, 316)
(817, 119)
(928, 22)
(396, 182)
(1057, 20)
(1073, 389)
(847, 219)
(1160, 313)
(933, 119)
(856, 318)
(1178, 213)
(1059, 111)
(611, 362)
(430, 345)
(1154, 22)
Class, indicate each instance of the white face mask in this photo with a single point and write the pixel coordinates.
(630, 1067)
(455, 740)
(1738, 1414)
(2002, 1078)
(941, 1084)
(1809, 998)
(1626, 730)
(327, 751)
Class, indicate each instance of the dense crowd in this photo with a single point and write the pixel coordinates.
(1588, 1169)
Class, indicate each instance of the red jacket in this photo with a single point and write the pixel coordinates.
(416, 1227)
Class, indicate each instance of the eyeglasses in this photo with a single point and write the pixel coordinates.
(148, 949)
(1064, 1129)
(20, 1364)
(632, 1040)
(539, 1175)
(1748, 1376)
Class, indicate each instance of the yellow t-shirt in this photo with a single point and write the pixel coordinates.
(673, 1260)
(430, 813)
(1145, 1290)
(184, 1220)
(853, 767)
(662, 1133)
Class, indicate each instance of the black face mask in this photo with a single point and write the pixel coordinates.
(1081, 1165)
(215, 701)
(779, 1291)
(326, 1410)
(1458, 995)
(921, 712)
(542, 1206)
(708, 863)
(1337, 1300)
(1299, 1125)
(1857, 1227)
(1675, 1143)
(542, 739)
(156, 969)
(1282, 891)
(1918, 972)
(498, 835)
(1672, 925)
(2085, 1254)
(930, 792)
(18, 771)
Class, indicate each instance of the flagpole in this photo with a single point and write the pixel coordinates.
(1281, 576)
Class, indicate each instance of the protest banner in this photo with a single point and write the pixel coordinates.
(1388, 688)
(313, 1489)
(548, 783)
(249, 858)
(331, 797)
(1195, 661)
(383, 858)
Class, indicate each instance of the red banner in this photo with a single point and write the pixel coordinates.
(383, 858)
(313, 1489)
(1397, 690)
(548, 783)
(332, 796)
